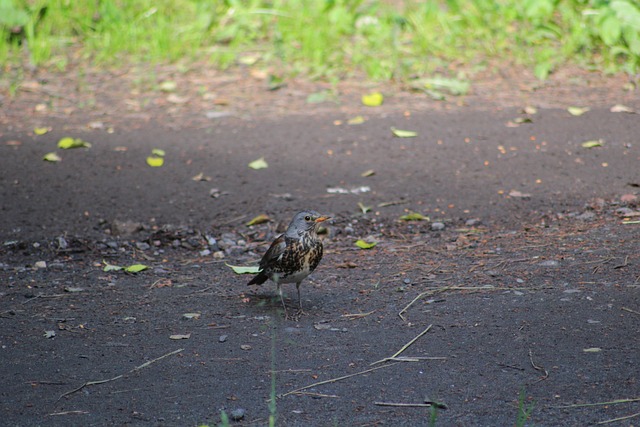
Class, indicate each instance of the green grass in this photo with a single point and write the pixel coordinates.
(327, 39)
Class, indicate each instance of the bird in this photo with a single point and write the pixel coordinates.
(293, 255)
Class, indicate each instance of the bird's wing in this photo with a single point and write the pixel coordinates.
(274, 252)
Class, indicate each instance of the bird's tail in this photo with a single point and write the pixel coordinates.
(259, 279)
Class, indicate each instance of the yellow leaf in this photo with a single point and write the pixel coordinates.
(259, 220)
(367, 173)
(259, 164)
(135, 268)
(414, 216)
(373, 99)
(51, 157)
(155, 162)
(67, 143)
(158, 152)
(592, 144)
(357, 120)
(577, 111)
(41, 131)
(403, 133)
(365, 245)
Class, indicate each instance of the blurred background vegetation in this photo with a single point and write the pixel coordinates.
(324, 39)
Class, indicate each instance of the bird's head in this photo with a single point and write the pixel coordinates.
(305, 222)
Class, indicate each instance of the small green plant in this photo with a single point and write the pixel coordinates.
(524, 409)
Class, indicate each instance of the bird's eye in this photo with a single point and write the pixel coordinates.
(307, 218)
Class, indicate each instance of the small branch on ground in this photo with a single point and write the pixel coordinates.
(631, 311)
(333, 380)
(404, 347)
(538, 368)
(137, 368)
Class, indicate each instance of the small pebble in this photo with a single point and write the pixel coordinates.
(437, 226)
(473, 222)
(143, 246)
(223, 338)
(205, 252)
(237, 414)
(40, 264)
(407, 281)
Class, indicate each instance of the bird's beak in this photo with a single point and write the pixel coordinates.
(323, 218)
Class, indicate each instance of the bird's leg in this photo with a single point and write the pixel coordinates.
(286, 315)
(300, 311)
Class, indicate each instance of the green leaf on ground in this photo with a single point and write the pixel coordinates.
(367, 173)
(67, 143)
(111, 267)
(593, 143)
(155, 161)
(414, 216)
(374, 99)
(365, 245)
(240, 269)
(40, 131)
(158, 152)
(135, 268)
(261, 163)
(260, 219)
(403, 133)
(577, 111)
(51, 157)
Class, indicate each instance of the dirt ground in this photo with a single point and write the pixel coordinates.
(520, 293)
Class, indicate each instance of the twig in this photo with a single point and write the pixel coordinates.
(612, 402)
(68, 413)
(358, 315)
(624, 264)
(538, 368)
(413, 359)
(333, 380)
(404, 405)
(613, 420)
(308, 393)
(404, 347)
(631, 311)
(440, 290)
(137, 368)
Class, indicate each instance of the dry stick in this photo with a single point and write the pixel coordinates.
(404, 405)
(538, 368)
(613, 402)
(404, 347)
(613, 420)
(137, 368)
(333, 380)
(630, 311)
(443, 289)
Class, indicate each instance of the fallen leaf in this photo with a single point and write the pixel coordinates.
(365, 245)
(51, 157)
(201, 177)
(367, 173)
(529, 110)
(593, 143)
(168, 86)
(259, 164)
(619, 108)
(191, 315)
(155, 161)
(414, 216)
(158, 152)
(111, 267)
(67, 143)
(364, 208)
(135, 268)
(239, 269)
(49, 334)
(403, 133)
(577, 111)
(260, 219)
(357, 120)
(179, 336)
(374, 99)
(592, 350)
(41, 131)
(518, 194)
